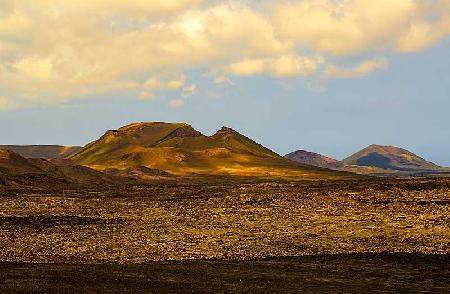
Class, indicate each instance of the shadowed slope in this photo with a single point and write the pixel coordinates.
(180, 149)
(43, 151)
(12, 164)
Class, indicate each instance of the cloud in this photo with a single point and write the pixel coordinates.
(354, 26)
(76, 50)
(144, 8)
(34, 68)
(13, 22)
(359, 70)
(290, 66)
(58, 51)
(189, 91)
(176, 103)
(168, 84)
(222, 80)
(248, 67)
(281, 67)
(218, 77)
(423, 33)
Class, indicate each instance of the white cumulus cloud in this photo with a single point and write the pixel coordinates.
(360, 69)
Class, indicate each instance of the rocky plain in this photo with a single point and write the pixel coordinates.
(224, 218)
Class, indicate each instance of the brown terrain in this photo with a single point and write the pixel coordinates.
(220, 217)
(391, 158)
(128, 204)
(315, 159)
(179, 149)
(374, 160)
(42, 151)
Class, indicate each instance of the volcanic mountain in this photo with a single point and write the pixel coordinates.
(43, 151)
(319, 160)
(178, 148)
(315, 159)
(374, 160)
(390, 158)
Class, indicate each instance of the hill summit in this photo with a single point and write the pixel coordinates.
(180, 149)
(315, 159)
(390, 157)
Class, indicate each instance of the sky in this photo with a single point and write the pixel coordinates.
(327, 76)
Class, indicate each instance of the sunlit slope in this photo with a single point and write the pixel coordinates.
(180, 149)
(43, 151)
(390, 157)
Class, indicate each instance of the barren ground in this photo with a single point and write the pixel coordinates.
(223, 218)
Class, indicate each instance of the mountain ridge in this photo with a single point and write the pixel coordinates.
(178, 148)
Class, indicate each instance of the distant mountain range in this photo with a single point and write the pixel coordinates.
(13, 166)
(158, 149)
(374, 159)
(43, 151)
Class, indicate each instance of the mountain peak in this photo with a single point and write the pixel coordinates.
(138, 125)
(386, 147)
(314, 159)
(149, 133)
(155, 126)
(389, 157)
(225, 131)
